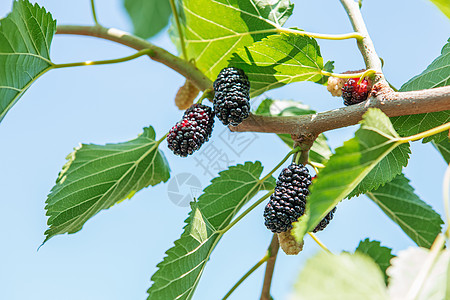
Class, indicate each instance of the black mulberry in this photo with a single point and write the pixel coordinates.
(232, 96)
(194, 129)
(325, 221)
(288, 201)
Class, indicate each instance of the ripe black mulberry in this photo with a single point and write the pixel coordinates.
(232, 96)
(194, 129)
(288, 201)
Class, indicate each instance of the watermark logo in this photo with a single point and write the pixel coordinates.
(183, 188)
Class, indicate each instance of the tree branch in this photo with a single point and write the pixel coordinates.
(181, 66)
(273, 251)
(365, 45)
(391, 103)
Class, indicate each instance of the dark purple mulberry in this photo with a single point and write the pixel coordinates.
(232, 96)
(194, 129)
(288, 201)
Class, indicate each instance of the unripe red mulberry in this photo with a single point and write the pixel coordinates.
(354, 93)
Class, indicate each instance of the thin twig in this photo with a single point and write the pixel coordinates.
(178, 64)
(365, 45)
(273, 250)
(94, 13)
(242, 279)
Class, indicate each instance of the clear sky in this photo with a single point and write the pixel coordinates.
(116, 252)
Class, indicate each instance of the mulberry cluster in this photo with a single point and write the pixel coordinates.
(194, 129)
(232, 96)
(354, 93)
(288, 201)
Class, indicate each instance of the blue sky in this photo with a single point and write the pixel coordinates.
(117, 251)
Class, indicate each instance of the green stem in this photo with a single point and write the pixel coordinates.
(392, 87)
(105, 62)
(360, 75)
(208, 93)
(446, 198)
(319, 242)
(295, 150)
(430, 261)
(94, 14)
(345, 36)
(425, 134)
(253, 269)
(161, 139)
(180, 31)
(267, 195)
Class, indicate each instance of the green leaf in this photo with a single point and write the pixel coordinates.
(416, 218)
(437, 74)
(343, 276)
(180, 271)
(320, 151)
(149, 17)
(279, 60)
(380, 254)
(215, 29)
(25, 38)
(96, 177)
(352, 163)
(444, 148)
(409, 265)
(443, 5)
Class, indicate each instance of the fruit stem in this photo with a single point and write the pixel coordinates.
(94, 14)
(425, 134)
(238, 218)
(161, 139)
(104, 62)
(208, 93)
(322, 245)
(253, 269)
(180, 31)
(295, 150)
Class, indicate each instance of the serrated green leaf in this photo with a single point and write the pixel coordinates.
(437, 74)
(408, 265)
(320, 151)
(149, 17)
(98, 176)
(351, 164)
(443, 5)
(25, 38)
(279, 60)
(380, 254)
(215, 29)
(416, 218)
(344, 276)
(444, 148)
(180, 271)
